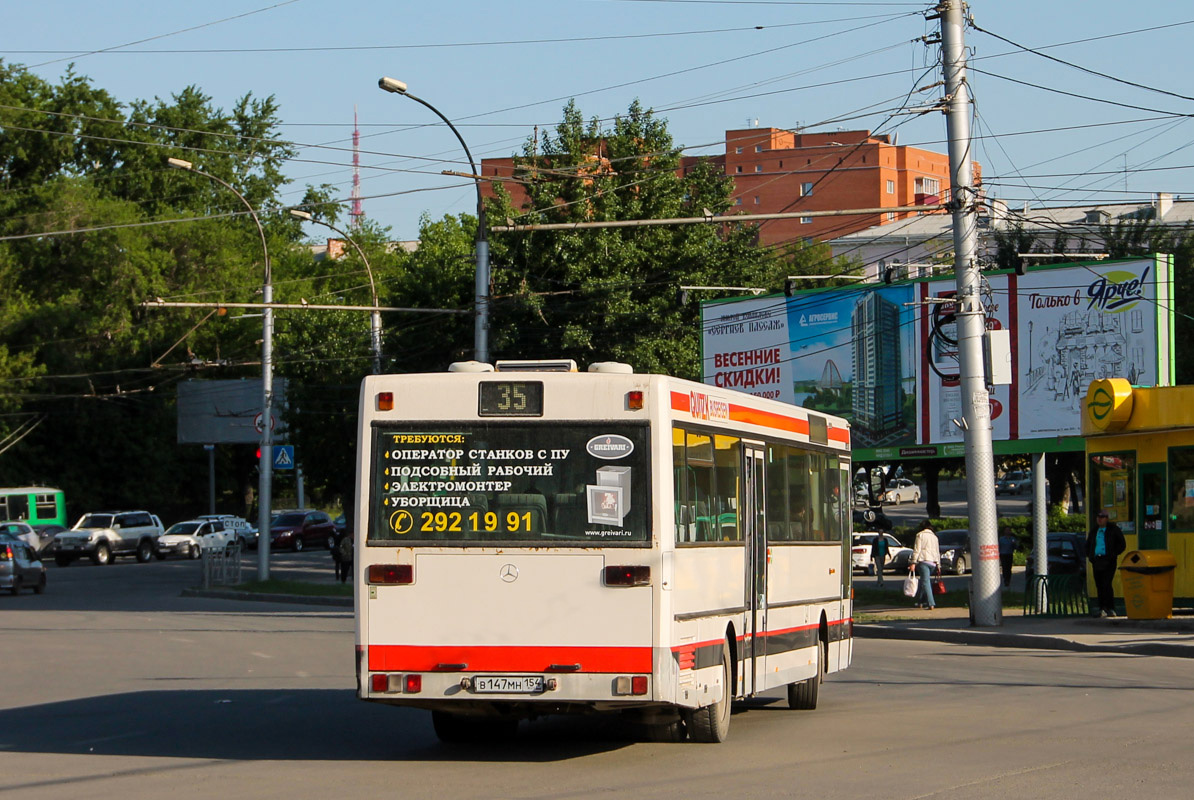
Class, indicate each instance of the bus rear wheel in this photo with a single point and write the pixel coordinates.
(802, 695)
(469, 729)
(712, 723)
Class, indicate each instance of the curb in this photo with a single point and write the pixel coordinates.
(1021, 640)
(264, 597)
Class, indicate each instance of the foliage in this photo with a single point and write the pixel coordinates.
(76, 345)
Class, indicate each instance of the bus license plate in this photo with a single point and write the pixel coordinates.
(507, 684)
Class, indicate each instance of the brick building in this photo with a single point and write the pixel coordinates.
(778, 171)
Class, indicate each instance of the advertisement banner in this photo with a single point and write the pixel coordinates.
(885, 356)
(849, 352)
(1078, 325)
(940, 387)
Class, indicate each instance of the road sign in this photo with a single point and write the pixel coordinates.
(283, 456)
(260, 427)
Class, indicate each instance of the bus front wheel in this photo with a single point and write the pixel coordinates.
(712, 723)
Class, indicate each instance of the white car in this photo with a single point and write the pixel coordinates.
(898, 556)
(239, 526)
(103, 535)
(192, 537)
(902, 490)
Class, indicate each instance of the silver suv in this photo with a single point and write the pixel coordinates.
(103, 535)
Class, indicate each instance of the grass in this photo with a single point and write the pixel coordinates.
(274, 586)
(894, 597)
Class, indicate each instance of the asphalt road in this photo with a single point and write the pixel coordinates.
(114, 686)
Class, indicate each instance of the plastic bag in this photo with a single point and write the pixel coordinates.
(911, 584)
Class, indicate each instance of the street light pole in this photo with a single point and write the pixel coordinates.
(481, 300)
(265, 462)
(375, 317)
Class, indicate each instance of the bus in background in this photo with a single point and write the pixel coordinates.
(535, 542)
(39, 506)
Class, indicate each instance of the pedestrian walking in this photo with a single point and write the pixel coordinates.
(926, 556)
(1104, 543)
(1007, 549)
(879, 556)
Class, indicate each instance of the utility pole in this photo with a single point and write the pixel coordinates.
(986, 607)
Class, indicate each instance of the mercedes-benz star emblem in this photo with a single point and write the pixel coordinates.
(509, 573)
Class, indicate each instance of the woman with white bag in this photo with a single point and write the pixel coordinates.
(926, 555)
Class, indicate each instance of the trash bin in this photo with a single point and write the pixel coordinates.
(1147, 577)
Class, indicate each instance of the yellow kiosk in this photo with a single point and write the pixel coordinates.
(1140, 468)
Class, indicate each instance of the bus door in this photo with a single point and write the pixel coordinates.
(754, 534)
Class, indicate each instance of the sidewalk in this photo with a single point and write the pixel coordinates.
(1171, 637)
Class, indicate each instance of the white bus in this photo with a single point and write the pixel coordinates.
(545, 542)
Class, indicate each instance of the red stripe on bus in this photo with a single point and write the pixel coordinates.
(768, 419)
(764, 419)
(502, 658)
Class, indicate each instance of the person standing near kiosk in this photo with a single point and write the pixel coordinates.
(1104, 544)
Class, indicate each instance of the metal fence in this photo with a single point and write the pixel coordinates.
(1056, 596)
(222, 565)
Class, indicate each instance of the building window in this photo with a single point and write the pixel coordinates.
(758, 167)
(738, 169)
(891, 215)
(806, 188)
(738, 150)
(756, 199)
(758, 148)
(891, 187)
(928, 186)
(781, 165)
(737, 201)
(805, 220)
(1112, 488)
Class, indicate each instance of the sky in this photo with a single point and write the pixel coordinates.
(499, 68)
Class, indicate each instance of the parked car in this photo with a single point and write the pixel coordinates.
(301, 529)
(1066, 554)
(871, 519)
(192, 537)
(103, 535)
(241, 527)
(20, 567)
(955, 550)
(1015, 482)
(898, 556)
(902, 490)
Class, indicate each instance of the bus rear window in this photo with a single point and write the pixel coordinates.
(511, 483)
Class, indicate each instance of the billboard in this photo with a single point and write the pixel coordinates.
(885, 356)
(849, 352)
(226, 412)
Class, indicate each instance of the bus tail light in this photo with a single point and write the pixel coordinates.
(391, 573)
(634, 400)
(391, 683)
(628, 576)
(385, 401)
(630, 684)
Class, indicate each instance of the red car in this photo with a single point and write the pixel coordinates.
(299, 530)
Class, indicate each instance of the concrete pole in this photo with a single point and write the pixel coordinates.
(985, 590)
(265, 465)
(1040, 547)
(211, 477)
(298, 477)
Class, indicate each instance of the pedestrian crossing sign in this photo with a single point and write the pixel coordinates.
(283, 456)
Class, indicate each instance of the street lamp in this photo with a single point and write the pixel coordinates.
(265, 463)
(481, 329)
(375, 317)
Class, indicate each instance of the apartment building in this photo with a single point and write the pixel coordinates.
(782, 171)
